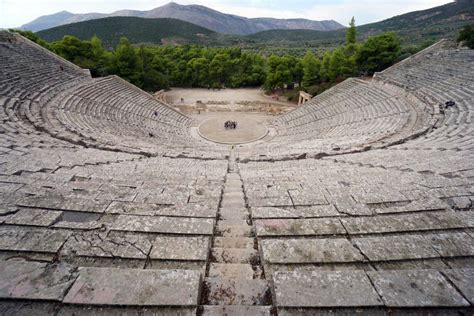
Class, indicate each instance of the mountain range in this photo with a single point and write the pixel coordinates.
(414, 28)
(196, 14)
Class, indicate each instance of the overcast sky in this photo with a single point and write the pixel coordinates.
(14, 13)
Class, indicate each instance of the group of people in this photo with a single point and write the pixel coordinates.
(230, 125)
(448, 104)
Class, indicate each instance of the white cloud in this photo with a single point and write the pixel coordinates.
(368, 11)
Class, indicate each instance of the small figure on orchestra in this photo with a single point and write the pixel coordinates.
(448, 104)
(230, 125)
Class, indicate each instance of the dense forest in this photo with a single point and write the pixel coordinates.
(159, 67)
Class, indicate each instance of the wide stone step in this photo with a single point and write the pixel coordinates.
(233, 242)
(233, 194)
(234, 213)
(236, 310)
(234, 204)
(234, 255)
(234, 271)
(233, 176)
(234, 230)
(233, 189)
(236, 221)
(233, 183)
(235, 198)
(223, 291)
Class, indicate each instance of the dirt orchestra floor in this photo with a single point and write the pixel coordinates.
(250, 127)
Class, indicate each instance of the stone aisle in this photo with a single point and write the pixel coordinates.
(235, 281)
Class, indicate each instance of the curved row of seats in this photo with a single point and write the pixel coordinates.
(404, 102)
(437, 75)
(352, 115)
(42, 92)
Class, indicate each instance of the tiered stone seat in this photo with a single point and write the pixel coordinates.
(437, 75)
(343, 235)
(111, 111)
(98, 217)
(350, 117)
(57, 97)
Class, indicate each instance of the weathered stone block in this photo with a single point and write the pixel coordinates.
(324, 289)
(108, 286)
(309, 251)
(415, 288)
(34, 280)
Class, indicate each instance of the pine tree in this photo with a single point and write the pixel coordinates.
(351, 33)
(311, 69)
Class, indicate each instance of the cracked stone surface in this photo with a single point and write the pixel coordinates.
(463, 279)
(12, 238)
(57, 202)
(98, 245)
(34, 217)
(129, 208)
(171, 225)
(35, 280)
(421, 288)
(107, 286)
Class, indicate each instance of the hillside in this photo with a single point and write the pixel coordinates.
(137, 30)
(196, 14)
(414, 27)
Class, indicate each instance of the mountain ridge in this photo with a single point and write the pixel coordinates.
(137, 30)
(196, 14)
(414, 28)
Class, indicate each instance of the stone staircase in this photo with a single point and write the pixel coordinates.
(235, 282)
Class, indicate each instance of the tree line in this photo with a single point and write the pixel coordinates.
(154, 68)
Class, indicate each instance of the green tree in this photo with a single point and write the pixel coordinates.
(77, 51)
(151, 79)
(467, 35)
(378, 52)
(219, 70)
(278, 73)
(101, 57)
(351, 33)
(296, 68)
(311, 69)
(248, 70)
(325, 63)
(198, 72)
(126, 62)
